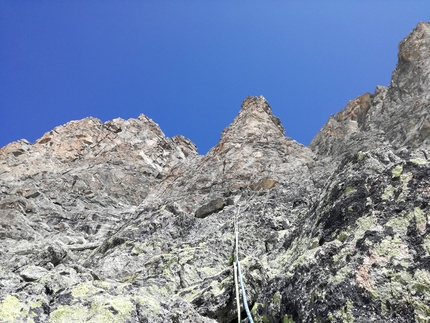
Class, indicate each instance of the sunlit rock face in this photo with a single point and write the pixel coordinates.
(116, 222)
(252, 150)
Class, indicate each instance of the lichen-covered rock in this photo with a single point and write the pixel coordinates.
(361, 254)
(115, 222)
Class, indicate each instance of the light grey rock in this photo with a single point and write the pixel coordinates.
(31, 273)
(116, 222)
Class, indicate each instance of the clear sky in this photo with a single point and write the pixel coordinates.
(188, 65)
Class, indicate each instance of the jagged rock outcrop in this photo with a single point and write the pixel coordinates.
(395, 117)
(252, 150)
(115, 222)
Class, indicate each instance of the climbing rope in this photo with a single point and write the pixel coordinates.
(242, 286)
(237, 292)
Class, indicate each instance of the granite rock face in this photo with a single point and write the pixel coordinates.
(396, 116)
(115, 222)
(252, 151)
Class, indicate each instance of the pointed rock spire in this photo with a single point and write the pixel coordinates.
(410, 78)
(252, 153)
(254, 122)
(395, 116)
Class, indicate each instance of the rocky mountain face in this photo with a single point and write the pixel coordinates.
(115, 222)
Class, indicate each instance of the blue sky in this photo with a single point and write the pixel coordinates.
(188, 65)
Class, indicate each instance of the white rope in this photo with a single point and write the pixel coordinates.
(237, 292)
(242, 286)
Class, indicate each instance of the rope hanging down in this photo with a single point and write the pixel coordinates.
(242, 287)
(237, 292)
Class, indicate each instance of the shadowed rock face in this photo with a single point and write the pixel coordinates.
(116, 222)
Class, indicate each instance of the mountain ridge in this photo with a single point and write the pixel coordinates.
(116, 222)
